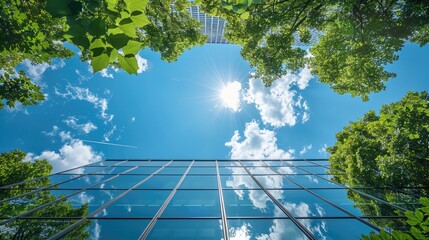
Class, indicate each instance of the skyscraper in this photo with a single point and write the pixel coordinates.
(198, 199)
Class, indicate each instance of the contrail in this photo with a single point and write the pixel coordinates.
(111, 144)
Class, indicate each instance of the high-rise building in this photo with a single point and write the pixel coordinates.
(198, 199)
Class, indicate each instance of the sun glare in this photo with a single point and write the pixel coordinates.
(230, 96)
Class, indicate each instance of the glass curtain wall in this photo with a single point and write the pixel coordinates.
(199, 199)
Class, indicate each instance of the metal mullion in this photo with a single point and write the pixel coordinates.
(331, 203)
(284, 210)
(71, 227)
(222, 205)
(49, 187)
(152, 223)
(34, 179)
(64, 197)
(354, 190)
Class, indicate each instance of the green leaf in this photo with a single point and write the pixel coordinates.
(127, 26)
(139, 19)
(118, 41)
(61, 8)
(136, 5)
(424, 201)
(245, 15)
(112, 53)
(416, 233)
(97, 27)
(111, 4)
(100, 62)
(82, 42)
(132, 47)
(97, 43)
(128, 63)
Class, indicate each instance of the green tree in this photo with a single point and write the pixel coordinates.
(386, 150)
(357, 38)
(14, 170)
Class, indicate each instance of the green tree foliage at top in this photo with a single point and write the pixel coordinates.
(108, 33)
(14, 170)
(357, 38)
(386, 150)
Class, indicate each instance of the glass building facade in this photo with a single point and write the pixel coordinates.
(199, 199)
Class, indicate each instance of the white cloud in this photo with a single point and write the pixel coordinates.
(78, 93)
(105, 73)
(35, 71)
(305, 149)
(230, 95)
(240, 233)
(17, 108)
(72, 154)
(108, 134)
(279, 105)
(83, 128)
(142, 63)
(133, 119)
(305, 117)
(322, 150)
(258, 144)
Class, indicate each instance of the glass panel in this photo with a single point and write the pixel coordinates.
(143, 170)
(332, 229)
(114, 170)
(316, 170)
(275, 182)
(303, 204)
(289, 170)
(199, 182)
(299, 163)
(173, 170)
(238, 181)
(250, 203)
(27, 202)
(83, 170)
(275, 163)
(258, 229)
(157, 163)
(106, 163)
(186, 229)
(93, 199)
(122, 181)
(252, 164)
(160, 182)
(193, 203)
(84, 182)
(397, 198)
(232, 170)
(179, 163)
(202, 170)
(108, 229)
(32, 229)
(310, 181)
(136, 203)
(357, 203)
(228, 163)
(57, 178)
(204, 164)
(261, 170)
(133, 163)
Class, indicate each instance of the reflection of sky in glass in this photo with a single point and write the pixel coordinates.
(263, 229)
(186, 229)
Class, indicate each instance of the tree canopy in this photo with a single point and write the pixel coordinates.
(357, 39)
(13, 169)
(389, 149)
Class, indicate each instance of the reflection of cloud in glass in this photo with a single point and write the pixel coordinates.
(240, 233)
(95, 232)
(282, 229)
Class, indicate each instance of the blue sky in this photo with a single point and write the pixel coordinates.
(175, 110)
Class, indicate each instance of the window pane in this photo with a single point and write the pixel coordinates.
(137, 203)
(186, 229)
(57, 178)
(108, 229)
(156, 163)
(199, 182)
(232, 170)
(202, 170)
(143, 170)
(250, 203)
(275, 182)
(316, 170)
(310, 181)
(261, 170)
(114, 170)
(160, 182)
(337, 228)
(303, 204)
(252, 164)
(193, 203)
(204, 164)
(173, 170)
(179, 163)
(39, 229)
(227, 163)
(83, 170)
(256, 229)
(123, 181)
(84, 182)
(238, 181)
(289, 170)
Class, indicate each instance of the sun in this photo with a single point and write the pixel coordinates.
(230, 95)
